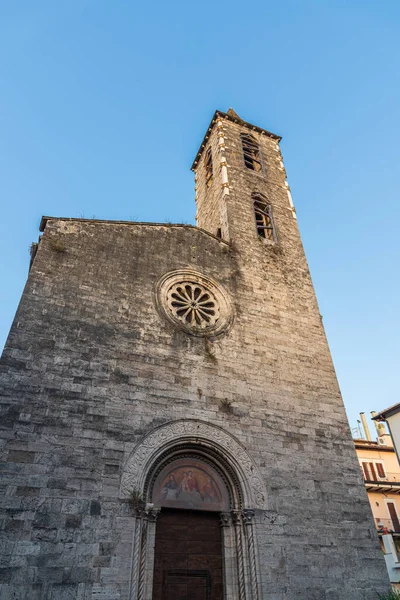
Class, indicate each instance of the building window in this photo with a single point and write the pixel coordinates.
(251, 153)
(391, 507)
(263, 216)
(208, 167)
(373, 471)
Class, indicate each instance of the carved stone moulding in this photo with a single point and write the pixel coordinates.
(194, 303)
(207, 439)
(172, 448)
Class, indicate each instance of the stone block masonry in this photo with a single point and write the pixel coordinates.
(92, 367)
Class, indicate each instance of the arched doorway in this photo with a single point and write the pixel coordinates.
(188, 559)
(235, 495)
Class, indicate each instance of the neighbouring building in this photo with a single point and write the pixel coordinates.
(381, 473)
(172, 427)
(392, 417)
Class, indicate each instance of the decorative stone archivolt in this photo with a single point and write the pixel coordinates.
(194, 302)
(202, 436)
(173, 448)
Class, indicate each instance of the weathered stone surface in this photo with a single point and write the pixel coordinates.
(91, 367)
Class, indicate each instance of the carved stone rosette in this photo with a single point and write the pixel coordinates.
(194, 302)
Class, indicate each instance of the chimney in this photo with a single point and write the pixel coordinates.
(365, 426)
(373, 413)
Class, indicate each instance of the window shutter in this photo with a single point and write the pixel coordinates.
(365, 469)
(372, 468)
(380, 469)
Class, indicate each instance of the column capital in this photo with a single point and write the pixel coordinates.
(248, 516)
(236, 517)
(148, 513)
(226, 519)
(152, 514)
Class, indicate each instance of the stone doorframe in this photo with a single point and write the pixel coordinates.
(247, 493)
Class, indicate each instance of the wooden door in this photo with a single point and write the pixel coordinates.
(393, 516)
(188, 556)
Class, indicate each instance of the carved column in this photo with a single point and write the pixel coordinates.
(152, 515)
(248, 521)
(237, 523)
(229, 557)
(137, 537)
(143, 553)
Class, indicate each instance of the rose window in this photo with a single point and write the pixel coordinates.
(193, 304)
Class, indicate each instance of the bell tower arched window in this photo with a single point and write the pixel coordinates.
(251, 153)
(263, 216)
(208, 166)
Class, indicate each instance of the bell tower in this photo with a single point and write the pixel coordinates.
(243, 196)
(241, 186)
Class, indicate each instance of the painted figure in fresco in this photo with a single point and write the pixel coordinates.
(184, 484)
(170, 489)
(188, 490)
(209, 492)
(184, 487)
(192, 482)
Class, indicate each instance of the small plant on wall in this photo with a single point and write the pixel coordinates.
(136, 500)
(226, 405)
(56, 245)
(392, 595)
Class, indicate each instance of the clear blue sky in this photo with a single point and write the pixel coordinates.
(103, 105)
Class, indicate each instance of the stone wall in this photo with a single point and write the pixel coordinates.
(91, 367)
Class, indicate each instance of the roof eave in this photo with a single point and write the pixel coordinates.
(388, 412)
(219, 113)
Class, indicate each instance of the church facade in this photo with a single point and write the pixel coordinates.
(172, 427)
